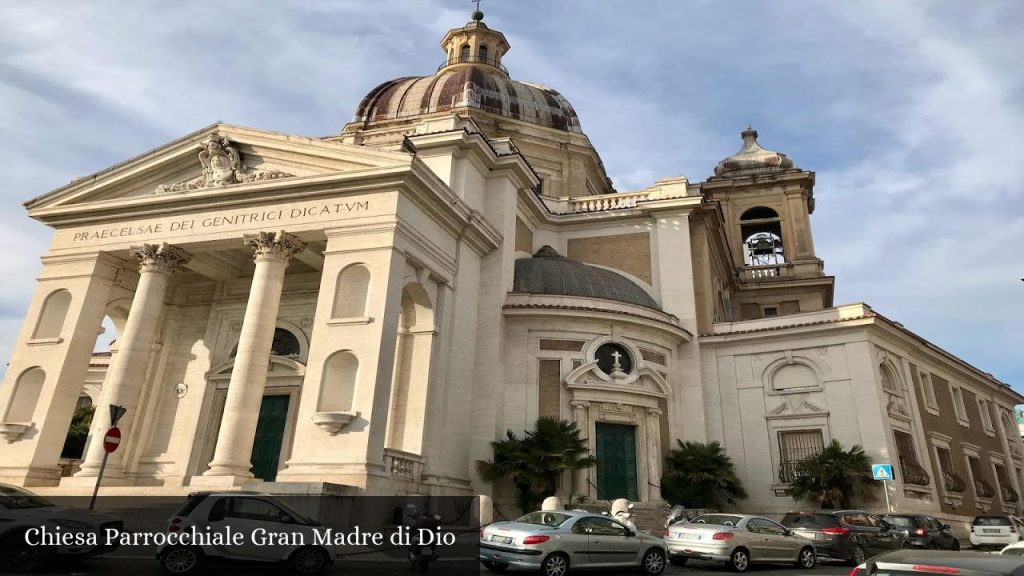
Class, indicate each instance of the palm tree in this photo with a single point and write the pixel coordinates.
(74, 443)
(834, 477)
(536, 461)
(700, 475)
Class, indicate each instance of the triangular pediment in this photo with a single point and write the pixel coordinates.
(219, 157)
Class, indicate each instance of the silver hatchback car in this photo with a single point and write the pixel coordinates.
(739, 540)
(555, 541)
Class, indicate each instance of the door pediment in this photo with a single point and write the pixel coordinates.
(219, 157)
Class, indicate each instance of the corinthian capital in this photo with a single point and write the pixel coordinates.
(159, 257)
(274, 245)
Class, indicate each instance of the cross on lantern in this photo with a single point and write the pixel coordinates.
(477, 2)
(615, 354)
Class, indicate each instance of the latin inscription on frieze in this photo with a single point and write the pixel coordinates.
(227, 218)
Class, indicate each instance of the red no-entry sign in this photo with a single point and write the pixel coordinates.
(112, 439)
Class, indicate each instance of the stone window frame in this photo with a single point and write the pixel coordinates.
(974, 451)
(986, 415)
(789, 359)
(936, 441)
(915, 490)
(931, 401)
(795, 423)
(959, 406)
(998, 458)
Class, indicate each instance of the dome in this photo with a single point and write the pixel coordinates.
(472, 76)
(753, 159)
(479, 86)
(548, 272)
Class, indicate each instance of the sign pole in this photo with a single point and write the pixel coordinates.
(111, 440)
(99, 478)
(885, 488)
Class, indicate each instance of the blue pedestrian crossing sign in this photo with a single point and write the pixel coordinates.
(881, 471)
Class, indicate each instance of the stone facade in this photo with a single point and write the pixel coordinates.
(294, 313)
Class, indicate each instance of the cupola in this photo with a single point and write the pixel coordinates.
(752, 158)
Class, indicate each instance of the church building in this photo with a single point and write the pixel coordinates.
(366, 312)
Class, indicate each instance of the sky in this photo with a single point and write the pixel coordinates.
(910, 113)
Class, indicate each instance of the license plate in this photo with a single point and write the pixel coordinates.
(426, 552)
(692, 536)
(991, 531)
(501, 539)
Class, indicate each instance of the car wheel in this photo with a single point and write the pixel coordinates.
(933, 545)
(495, 567)
(906, 545)
(181, 560)
(858, 557)
(555, 565)
(677, 560)
(16, 556)
(309, 560)
(739, 560)
(806, 559)
(956, 544)
(653, 562)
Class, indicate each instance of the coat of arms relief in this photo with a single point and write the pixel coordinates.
(222, 166)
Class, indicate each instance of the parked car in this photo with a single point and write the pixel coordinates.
(21, 511)
(1015, 549)
(924, 531)
(739, 540)
(243, 512)
(556, 541)
(682, 514)
(850, 535)
(996, 531)
(918, 562)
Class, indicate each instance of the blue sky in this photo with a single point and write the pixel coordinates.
(910, 113)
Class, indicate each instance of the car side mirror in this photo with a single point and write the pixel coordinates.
(216, 516)
(946, 527)
(630, 533)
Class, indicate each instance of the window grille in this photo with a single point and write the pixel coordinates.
(951, 480)
(913, 472)
(796, 446)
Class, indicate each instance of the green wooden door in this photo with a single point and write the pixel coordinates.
(616, 461)
(266, 450)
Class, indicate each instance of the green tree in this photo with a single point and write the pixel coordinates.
(78, 432)
(535, 461)
(834, 477)
(700, 475)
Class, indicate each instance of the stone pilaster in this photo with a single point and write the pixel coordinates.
(653, 425)
(123, 384)
(580, 415)
(272, 253)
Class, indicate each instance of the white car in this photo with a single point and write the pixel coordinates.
(26, 518)
(739, 540)
(245, 514)
(996, 531)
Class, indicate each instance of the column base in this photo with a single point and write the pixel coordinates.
(79, 481)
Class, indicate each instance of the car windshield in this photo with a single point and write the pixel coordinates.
(992, 521)
(544, 518)
(900, 521)
(717, 519)
(13, 498)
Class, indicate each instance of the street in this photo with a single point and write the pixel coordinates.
(144, 566)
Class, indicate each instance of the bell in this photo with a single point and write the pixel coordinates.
(762, 247)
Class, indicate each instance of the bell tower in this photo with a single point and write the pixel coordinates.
(766, 203)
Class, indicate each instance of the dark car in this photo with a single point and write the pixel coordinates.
(918, 562)
(850, 535)
(924, 531)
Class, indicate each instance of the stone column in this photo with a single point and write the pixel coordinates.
(123, 383)
(654, 451)
(272, 253)
(580, 416)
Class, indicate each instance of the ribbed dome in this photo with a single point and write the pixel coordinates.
(478, 86)
(753, 159)
(548, 272)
